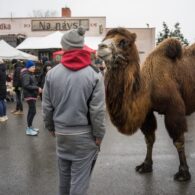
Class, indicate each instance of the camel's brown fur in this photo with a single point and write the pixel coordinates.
(123, 91)
(164, 84)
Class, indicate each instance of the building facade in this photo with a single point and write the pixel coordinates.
(37, 27)
(15, 30)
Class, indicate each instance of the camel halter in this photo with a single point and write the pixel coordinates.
(117, 57)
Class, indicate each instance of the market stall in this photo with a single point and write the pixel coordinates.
(7, 52)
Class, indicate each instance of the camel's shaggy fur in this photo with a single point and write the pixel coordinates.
(164, 84)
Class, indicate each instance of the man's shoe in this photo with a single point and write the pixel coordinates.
(18, 112)
(13, 111)
(5, 117)
(35, 129)
(29, 131)
(2, 119)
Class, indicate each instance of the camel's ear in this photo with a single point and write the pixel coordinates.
(133, 37)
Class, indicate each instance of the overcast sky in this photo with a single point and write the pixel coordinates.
(125, 13)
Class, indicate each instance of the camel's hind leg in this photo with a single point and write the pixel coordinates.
(176, 126)
(183, 174)
(148, 129)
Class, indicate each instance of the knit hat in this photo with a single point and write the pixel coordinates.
(73, 39)
(29, 63)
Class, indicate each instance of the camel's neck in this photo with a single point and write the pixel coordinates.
(126, 99)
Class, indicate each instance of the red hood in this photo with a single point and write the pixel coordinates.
(76, 59)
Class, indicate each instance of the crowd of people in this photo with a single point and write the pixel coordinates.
(22, 84)
(73, 106)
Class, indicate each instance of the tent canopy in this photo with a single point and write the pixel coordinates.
(8, 52)
(47, 42)
(53, 41)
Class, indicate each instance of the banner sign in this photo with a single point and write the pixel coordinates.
(59, 25)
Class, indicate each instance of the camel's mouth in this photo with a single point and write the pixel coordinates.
(105, 55)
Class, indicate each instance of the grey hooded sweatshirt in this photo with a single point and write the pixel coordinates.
(74, 101)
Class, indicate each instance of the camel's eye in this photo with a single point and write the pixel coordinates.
(123, 43)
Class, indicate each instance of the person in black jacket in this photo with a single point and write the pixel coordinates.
(30, 92)
(41, 79)
(17, 84)
(3, 116)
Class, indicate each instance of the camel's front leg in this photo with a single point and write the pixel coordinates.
(146, 166)
(148, 129)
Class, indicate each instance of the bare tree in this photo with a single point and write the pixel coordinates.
(44, 13)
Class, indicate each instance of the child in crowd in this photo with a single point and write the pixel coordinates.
(30, 92)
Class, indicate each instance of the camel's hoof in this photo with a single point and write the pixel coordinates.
(182, 176)
(144, 168)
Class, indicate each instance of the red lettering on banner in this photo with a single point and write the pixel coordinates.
(4, 26)
(93, 24)
(26, 25)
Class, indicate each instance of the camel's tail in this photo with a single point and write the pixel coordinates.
(173, 48)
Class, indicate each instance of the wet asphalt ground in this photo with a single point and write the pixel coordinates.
(28, 164)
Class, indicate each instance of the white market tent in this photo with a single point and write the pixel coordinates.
(47, 42)
(8, 52)
(30, 43)
(52, 41)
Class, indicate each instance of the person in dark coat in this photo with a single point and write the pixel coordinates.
(44, 59)
(17, 84)
(3, 116)
(41, 81)
(30, 92)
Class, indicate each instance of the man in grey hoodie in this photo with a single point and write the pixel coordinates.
(74, 110)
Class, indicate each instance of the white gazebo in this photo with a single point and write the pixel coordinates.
(8, 52)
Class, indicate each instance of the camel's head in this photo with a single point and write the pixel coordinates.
(118, 48)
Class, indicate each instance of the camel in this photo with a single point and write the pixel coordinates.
(164, 84)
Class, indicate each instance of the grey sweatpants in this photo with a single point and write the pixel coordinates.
(75, 158)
